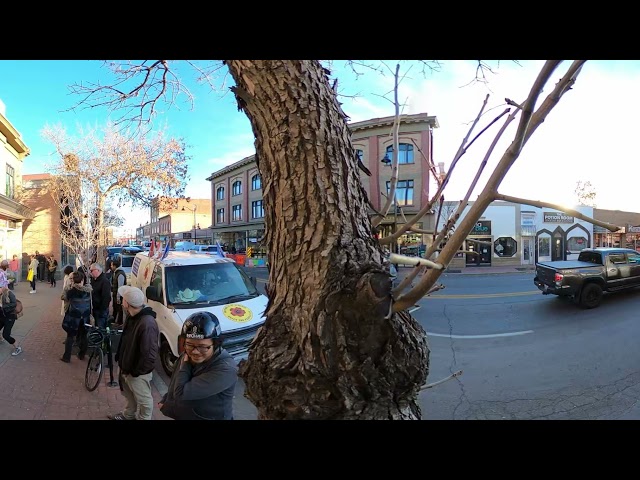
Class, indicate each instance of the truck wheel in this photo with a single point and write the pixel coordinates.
(167, 359)
(591, 295)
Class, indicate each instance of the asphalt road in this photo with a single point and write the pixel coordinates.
(526, 355)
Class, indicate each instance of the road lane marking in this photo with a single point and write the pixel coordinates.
(487, 295)
(493, 335)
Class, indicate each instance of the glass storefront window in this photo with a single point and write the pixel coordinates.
(505, 247)
(544, 247)
(576, 244)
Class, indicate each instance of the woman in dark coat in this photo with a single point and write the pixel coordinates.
(78, 296)
(8, 317)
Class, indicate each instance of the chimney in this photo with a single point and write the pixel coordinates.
(441, 171)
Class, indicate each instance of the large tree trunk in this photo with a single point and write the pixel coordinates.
(328, 349)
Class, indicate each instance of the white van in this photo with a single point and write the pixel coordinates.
(187, 282)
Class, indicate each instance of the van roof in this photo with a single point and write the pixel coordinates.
(176, 257)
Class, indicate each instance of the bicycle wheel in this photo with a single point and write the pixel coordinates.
(94, 371)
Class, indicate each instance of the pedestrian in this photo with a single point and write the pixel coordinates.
(77, 294)
(118, 279)
(14, 267)
(203, 384)
(66, 282)
(4, 281)
(101, 295)
(136, 355)
(52, 267)
(8, 317)
(42, 266)
(33, 271)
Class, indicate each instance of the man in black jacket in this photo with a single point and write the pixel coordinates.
(100, 296)
(136, 355)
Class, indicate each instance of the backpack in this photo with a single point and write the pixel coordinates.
(18, 308)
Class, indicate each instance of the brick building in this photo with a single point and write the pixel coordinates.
(236, 190)
(41, 232)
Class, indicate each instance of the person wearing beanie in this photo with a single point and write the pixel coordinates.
(136, 355)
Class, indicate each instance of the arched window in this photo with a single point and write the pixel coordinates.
(220, 193)
(406, 153)
(256, 182)
(236, 188)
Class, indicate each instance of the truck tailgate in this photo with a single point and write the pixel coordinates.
(546, 272)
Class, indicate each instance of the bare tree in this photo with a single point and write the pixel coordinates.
(337, 343)
(102, 167)
(586, 193)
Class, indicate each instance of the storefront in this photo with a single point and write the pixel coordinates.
(510, 234)
(561, 236)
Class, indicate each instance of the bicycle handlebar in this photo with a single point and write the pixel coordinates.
(102, 329)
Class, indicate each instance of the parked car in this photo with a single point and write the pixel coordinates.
(597, 270)
(184, 283)
(110, 252)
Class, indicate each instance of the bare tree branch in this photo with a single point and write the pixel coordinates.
(570, 211)
(529, 122)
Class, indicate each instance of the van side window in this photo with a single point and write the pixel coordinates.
(156, 279)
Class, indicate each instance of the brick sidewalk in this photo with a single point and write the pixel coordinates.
(36, 385)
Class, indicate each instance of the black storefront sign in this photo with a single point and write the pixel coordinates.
(557, 217)
(482, 227)
(186, 235)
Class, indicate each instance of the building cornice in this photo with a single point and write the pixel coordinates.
(233, 166)
(15, 210)
(13, 137)
(388, 121)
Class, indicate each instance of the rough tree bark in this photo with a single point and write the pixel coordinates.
(330, 348)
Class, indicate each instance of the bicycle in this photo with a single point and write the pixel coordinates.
(99, 341)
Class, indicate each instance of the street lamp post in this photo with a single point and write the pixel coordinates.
(195, 234)
(394, 248)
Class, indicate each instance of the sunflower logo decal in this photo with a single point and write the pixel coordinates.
(237, 313)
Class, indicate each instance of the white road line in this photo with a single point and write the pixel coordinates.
(493, 335)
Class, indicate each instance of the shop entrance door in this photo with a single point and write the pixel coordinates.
(557, 249)
(483, 258)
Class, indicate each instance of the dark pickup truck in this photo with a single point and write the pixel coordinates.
(597, 270)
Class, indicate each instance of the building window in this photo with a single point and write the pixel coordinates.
(505, 247)
(236, 213)
(576, 244)
(257, 210)
(406, 153)
(236, 188)
(10, 190)
(220, 215)
(220, 193)
(256, 182)
(404, 192)
(544, 246)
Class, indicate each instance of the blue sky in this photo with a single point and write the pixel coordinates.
(591, 131)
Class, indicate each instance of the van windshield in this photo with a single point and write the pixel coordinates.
(211, 283)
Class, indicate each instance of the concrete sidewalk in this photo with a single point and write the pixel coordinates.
(36, 385)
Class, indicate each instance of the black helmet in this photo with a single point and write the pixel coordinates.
(201, 325)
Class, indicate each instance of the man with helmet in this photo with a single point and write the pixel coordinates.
(136, 355)
(203, 383)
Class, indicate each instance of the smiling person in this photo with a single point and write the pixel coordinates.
(204, 382)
